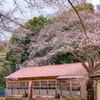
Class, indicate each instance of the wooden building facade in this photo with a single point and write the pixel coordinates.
(64, 81)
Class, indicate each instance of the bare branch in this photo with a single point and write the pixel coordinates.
(83, 63)
(3, 21)
(88, 54)
(96, 66)
(79, 19)
(3, 46)
(10, 19)
(18, 7)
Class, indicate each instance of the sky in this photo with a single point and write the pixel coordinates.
(94, 2)
(9, 5)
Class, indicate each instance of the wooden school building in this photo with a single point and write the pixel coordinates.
(64, 81)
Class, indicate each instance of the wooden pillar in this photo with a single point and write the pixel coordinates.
(56, 87)
(70, 87)
(47, 86)
(25, 88)
(18, 87)
(12, 86)
(30, 90)
(60, 88)
(32, 87)
(39, 86)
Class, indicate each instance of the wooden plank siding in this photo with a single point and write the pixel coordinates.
(31, 87)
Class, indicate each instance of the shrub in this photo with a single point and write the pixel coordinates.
(1, 59)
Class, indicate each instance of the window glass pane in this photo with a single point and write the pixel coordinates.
(51, 90)
(15, 85)
(43, 90)
(65, 83)
(22, 83)
(75, 90)
(75, 83)
(36, 83)
(27, 84)
(43, 83)
(65, 90)
(36, 90)
(58, 90)
(9, 84)
(52, 83)
(22, 91)
(58, 83)
(26, 89)
(15, 91)
(9, 91)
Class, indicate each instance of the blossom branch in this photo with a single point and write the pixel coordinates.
(79, 19)
(83, 63)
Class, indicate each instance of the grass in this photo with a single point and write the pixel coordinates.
(2, 98)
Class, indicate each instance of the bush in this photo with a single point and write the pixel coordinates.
(87, 6)
(2, 52)
(1, 88)
(1, 59)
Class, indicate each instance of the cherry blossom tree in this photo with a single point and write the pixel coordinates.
(9, 20)
(66, 34)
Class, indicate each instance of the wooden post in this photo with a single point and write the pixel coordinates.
(12, 86)
(47, 86)
(56, 87)
(60, 88)
(30, 90)
(25, 88)
(32, 87)
(39, 87)
(18, 87)
(70, 87)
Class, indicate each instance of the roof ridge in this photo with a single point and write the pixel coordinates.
(54, 65)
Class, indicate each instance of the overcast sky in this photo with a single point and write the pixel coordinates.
(9, 5)
(28, 15)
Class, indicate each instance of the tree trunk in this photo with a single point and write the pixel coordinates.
(90, 89)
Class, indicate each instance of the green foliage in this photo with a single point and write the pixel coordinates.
(2, 98)
(43, 52)
(3, 73)
(12, 39)
(58, 19)
(36, 24)
(63, 58)
(87, 6)
(1, 59)
(66, 28)
(1, 88)
(79, 7)
(2, 52)
(53, 34)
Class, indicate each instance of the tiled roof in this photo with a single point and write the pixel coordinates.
(74, 69)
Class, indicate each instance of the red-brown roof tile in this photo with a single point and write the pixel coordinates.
(74, 69)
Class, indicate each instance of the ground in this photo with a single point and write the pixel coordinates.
(2, 98)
